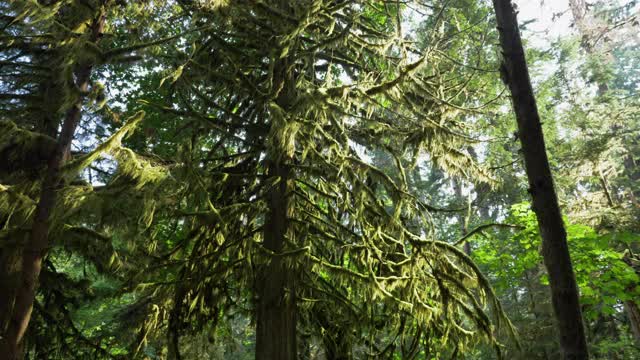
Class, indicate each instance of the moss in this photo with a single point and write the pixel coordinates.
(111, 145)
(23, 151)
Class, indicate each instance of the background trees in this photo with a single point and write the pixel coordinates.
(303, 180)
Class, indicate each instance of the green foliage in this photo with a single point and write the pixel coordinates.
(391, 123)
(605, 280)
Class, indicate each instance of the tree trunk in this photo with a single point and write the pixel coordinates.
(37, 244)
(336, 346)
(463, 218)
(631, 306)
(276, 327)
(633, 313)
(335, 337)
(564, 291)
(276, 308)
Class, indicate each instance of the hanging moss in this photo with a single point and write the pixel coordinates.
(189, 236)
(23, 151)
(110, 146)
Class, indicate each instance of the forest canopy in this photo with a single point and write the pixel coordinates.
(338, 179)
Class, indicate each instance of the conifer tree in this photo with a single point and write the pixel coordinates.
(555, 251)
(50, 53)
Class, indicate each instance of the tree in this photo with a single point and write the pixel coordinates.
(310, 178)
(304, 120)
(37, 244)
(564, 291)
(50, 57)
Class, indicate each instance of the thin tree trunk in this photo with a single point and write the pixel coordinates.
(463, 218)
(38, 242)
(631, 306)
(579, 12)
(174, 328)
(564, 291)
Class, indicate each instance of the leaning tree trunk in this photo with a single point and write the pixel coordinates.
(38, 242)
(564, 291)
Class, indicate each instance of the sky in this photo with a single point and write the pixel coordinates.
(552, 19)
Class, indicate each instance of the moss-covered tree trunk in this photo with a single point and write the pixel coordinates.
(37, 244)
(555, 251)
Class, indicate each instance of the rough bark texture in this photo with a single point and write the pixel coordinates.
(276, 327)
(37, 244)
(9, 272)
(276, 308)
(564, 291)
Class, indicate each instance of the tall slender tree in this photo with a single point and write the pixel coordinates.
(555, 251)
(50, 52)
(38, 242)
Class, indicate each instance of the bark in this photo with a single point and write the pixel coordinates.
(37, 244)
(335, 338)
(276, 327)
(555, 252)
(9, 272)
(633, 313)
(336, 346)
(276, 308)
(631, 306)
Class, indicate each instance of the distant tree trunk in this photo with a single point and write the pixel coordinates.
(633, 313)
(335, 337)
(38, 242)
(579, 12)
(336, 345)
(564, 291)
(276, 308)
(631, 306)
(175, 320)
(463, 218)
